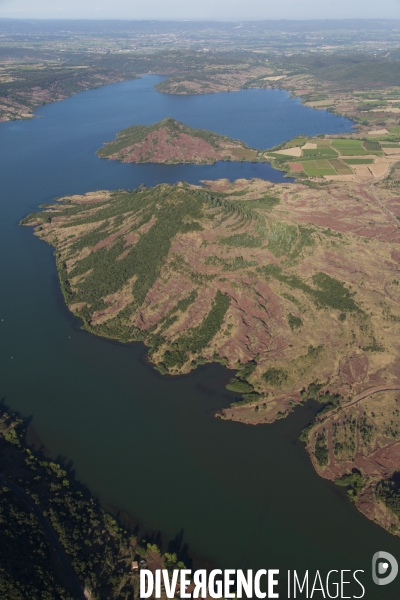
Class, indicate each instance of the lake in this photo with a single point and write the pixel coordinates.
(240, 496)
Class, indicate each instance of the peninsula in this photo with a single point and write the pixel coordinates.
(296, 287)
(171, 142)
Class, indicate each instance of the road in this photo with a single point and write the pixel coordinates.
(358, 398)
(369, 392)
(54, 543)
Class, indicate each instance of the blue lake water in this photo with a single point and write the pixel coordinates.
(244, 497)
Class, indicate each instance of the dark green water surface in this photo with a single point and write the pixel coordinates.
(244, 497)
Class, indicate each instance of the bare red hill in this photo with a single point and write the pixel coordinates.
(170, 141)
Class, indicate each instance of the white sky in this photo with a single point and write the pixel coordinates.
(200, 9)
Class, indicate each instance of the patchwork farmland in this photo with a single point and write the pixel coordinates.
(337, 158)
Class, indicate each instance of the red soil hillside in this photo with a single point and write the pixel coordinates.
(172, 142)
(295, 287)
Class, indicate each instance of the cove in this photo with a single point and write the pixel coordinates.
(244, 497)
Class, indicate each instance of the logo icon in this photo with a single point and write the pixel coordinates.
(384, 564)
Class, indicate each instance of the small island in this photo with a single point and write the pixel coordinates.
(172, 142)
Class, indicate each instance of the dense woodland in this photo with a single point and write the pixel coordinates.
(389, 492)
(40, 500)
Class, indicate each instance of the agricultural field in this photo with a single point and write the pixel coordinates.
(357, 159)
(172, 142)
(349, 147)
(316, 168)
(320, 151)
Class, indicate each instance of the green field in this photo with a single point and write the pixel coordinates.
(391, 137)
(349, 147)
(322, 143)
(325, 158)
(372, 146)
(321, 151)
(340, 167)
(298, 141)
(318, 168)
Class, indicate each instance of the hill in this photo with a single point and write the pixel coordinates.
(295, 286)
(170, 141)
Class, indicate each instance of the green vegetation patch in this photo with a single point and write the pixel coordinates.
(230, 265)
(305, 434)
(349, 147)
(242, 387)
(298, 141)
(172, 208)
(372, 146)
(340, 167)
(320, 151)
(174, 358)
(333, 293)
(294, 322)
(318, 168)
(242, 240)
(241, 384)
(329, 292)
(354, 482)
(288, 240)
(26, 559)
(246, 370)
(184, 304)
(275, 377)
(321, 451)
(389, 492)
(282, 237)
(265, 202)
(199, 337)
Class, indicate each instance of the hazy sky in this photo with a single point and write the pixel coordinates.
(201, 9)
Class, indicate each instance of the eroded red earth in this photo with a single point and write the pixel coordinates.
(339, 230)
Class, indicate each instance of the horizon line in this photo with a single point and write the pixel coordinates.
(197, 20)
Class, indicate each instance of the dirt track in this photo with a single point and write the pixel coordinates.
(369, 392)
